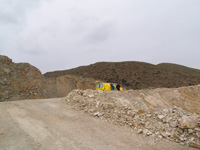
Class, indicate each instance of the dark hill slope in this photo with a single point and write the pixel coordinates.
(136, 75)
(181, 69)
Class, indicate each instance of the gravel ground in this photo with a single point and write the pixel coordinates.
(50, 124)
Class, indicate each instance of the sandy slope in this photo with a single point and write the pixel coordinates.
(51, 125)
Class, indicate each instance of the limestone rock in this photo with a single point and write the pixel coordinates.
(90, 96)
(194, 144)
(161, 123)
(161, 116)
(149, 133)
(98, 114)
(188, 122)
(190, 131)
(145, 131)
(139, 131)
(147, 125)
(173, 124)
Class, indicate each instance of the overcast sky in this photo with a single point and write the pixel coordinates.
(62, 34)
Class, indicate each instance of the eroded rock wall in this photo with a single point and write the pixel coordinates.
(20, 81)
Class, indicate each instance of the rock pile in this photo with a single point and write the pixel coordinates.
(120, 108)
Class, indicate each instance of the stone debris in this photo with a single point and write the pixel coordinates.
(161, 116)
(119, 108)
(188, 122)
(139, 131)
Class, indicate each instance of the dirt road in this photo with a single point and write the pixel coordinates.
(52, 125)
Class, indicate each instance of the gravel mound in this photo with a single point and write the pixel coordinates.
(147, 115)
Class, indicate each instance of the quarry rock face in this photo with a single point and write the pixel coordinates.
(20, 81)
(124, 108)
(4, 60)
(61, 86)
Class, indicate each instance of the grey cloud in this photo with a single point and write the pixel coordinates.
(100, 33)
(13, 11)
(7, 19)
(32, 51)
(73, 33)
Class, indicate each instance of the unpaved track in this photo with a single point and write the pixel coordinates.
(51, 125)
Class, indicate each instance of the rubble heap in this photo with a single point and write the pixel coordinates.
(121, 108)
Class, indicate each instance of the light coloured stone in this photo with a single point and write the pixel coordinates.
(188, 122)
(197, 129)
(182, 139)
(139, 131)
(97, 114)
(194, 144)
(147, 125)
(145, 131)
(163, 134)
(149, 133)
(161, 116)
(190, 131)
(173, 124)
(91, 96)
(198, 135)
(168, 133)
(149, 115)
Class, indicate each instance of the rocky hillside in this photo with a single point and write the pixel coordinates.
(132, 75)
(173, 114)
(181, 69)
(23, 81)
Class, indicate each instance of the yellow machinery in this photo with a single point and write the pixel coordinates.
(107, 87)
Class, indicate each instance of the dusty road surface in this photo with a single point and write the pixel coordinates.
(52, 125)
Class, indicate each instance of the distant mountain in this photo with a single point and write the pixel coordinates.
(134, 75)
(181, 69)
